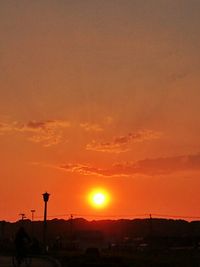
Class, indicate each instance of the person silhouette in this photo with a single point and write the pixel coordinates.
(22, 242)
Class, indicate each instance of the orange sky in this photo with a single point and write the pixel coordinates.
(100, 94)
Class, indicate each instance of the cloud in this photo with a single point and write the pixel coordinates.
(91, 127)
(49, 132)
(84, 169)
(178, 76)
(95, 127)
(4, 127)
(47, 139)
(106, 147)
(148, 167)
(119, 144)
(44, 125)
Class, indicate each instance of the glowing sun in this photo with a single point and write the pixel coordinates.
(98, 198)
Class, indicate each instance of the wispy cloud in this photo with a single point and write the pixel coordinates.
(120, 144)
(5, 127)
(44, 125)
(89, 127)
(49, 132)
(178, 76)
(148, 167)
(84, 169)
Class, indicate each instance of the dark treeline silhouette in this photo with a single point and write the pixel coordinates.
(137, 242)
(104, 230)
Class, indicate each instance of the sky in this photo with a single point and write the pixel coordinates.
(100, 94)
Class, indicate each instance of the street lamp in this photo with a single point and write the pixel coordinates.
(45, 198)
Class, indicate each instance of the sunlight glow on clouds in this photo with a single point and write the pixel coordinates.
(119, 144)
(48, 132)
(91, 127)
(148, 167)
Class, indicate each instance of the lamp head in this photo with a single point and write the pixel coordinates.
(46, 196)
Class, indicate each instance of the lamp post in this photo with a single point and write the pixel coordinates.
(45, 198)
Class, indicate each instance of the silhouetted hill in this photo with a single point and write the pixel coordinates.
(110, 229)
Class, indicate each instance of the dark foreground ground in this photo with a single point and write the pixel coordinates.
(6, 261)
(93, 257)
(182, 258)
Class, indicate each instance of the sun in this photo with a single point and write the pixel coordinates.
(98, 198)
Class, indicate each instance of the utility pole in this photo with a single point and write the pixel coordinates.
(71, 223)
(32, 220)
(150, 225)
(150, 231)
(71, 228)
(45, 198)
(22, 216)
(32, 213)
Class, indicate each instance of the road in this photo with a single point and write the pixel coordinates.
(7, 262)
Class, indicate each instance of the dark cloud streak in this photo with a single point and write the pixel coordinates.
(148, 167)
(119, 144)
